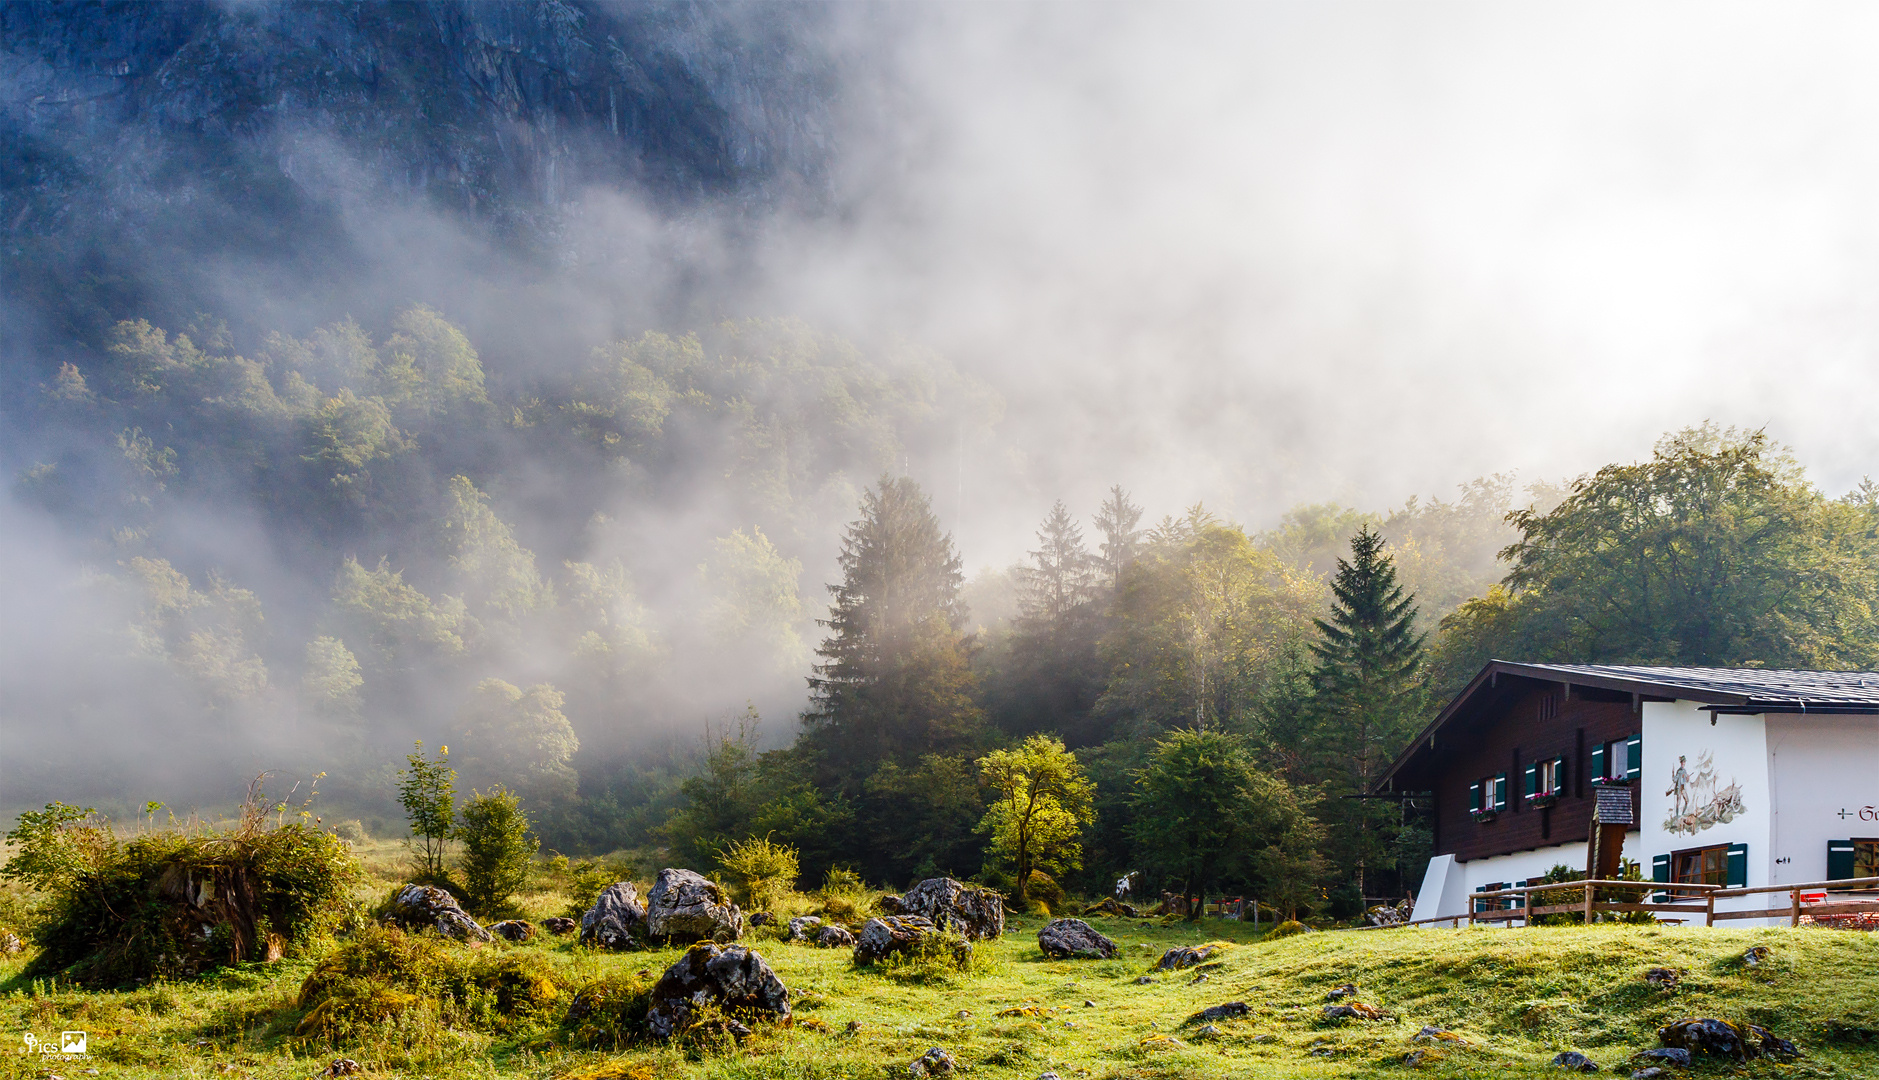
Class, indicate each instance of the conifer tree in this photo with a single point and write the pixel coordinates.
(1117, 520)
(1053, 675)
(895, 681)
(1368, 694)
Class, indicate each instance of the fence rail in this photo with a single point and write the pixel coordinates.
(1683, 898)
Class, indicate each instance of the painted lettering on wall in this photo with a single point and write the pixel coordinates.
(1696, 802)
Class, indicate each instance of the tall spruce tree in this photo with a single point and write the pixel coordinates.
(1118, 520)
(1053, 675)
(895, 682)
(1367, 697)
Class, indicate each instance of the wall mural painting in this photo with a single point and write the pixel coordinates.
(1696, 803)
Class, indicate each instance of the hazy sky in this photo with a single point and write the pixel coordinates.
(1260, 254)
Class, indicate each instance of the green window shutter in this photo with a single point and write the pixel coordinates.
(1533, 779)
(1660, 871)
(1738, 866)
(1559, 775)
(1634, 757)
(1598, 763)
(1839, 859)
(1474, 796)
(1500, 791)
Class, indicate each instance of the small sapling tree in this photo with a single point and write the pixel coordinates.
(497, 849)
(427, 789)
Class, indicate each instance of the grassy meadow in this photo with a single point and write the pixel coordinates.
(1516, 996)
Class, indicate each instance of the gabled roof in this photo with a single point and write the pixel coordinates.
(1734, 690)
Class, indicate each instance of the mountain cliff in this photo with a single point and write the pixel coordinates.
(157, 151)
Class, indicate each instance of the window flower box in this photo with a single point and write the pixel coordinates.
(1485, 815)
(1542, 800)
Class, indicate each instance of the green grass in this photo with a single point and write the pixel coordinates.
(1517, 996)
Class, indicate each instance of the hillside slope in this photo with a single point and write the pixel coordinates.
(1516, 997)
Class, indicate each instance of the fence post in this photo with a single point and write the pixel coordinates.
(1794, 918)
(1709, 907)
(1588, 902)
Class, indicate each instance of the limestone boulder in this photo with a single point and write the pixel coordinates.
(732, 977)
(559, 926)
(420, 906)
(976, 913)
(1183, 956)
(889, 935)
(804, 927)
(1064, 939)
(617, 920)
(686, 906)
(835, 937)
(517, 930)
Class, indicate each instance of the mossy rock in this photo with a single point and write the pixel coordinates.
(1286, 929)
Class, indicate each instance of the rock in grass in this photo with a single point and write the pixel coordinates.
(803, 926)
(835, 937)
(1662, 978)
(10, 943)
(732, 977)
(761, 918)
(686, 906)
(1436, 1035)
(1770, 1044)
(1575, 1061)
(513, 929)
(1356, 1010)
(888, 935)
(888, 904)
(1342, 992)
(1207, 1031)
(429, 906)
(1676, 1057)
(1720, 1038)
(1065, 939)
(1650, 1073)
(560, 926)
(616, 920)
(1756, 956)
(1229, 1011)
(935, 1062)
(977, 913)
(340, 1067)
(1182, 956)
(1145, 980)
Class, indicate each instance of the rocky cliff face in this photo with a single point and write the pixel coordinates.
(142, 140)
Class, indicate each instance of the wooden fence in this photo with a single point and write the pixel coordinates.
(1516, 904)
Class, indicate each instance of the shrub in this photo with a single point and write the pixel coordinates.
(609, 1013)
(384, 974)
(1287, 929)
(760, 870)
(1041, 886)
(178, 901)
(497, 849)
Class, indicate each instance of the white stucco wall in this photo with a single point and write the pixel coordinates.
(1824, 772)
(1738, 750)
(1459, 880)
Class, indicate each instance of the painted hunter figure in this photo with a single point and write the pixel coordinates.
(1690, 812)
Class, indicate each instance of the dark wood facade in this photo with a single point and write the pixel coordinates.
(1507, 727)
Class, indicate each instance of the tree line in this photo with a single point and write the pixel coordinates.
(1185, 701)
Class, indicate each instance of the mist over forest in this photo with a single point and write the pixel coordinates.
(540, 380)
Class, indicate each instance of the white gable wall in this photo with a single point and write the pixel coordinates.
(1821, 767)
(1738, 753)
